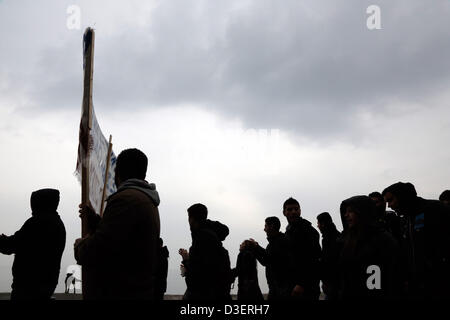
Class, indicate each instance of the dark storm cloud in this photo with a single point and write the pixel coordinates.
(298, 65)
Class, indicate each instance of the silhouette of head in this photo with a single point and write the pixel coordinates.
(44, 201)
(197, 215)
(291, 209)
(131, 164)
(445, 197)
(324, 221)
(400, 197)
(272, 226)
(358, 212)
(379, 201)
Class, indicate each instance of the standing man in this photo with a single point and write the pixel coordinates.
(277, 259)
(329, 260)
(304, 244)
(121, 250)
(38, 247)
(207, 264)
(427, 254)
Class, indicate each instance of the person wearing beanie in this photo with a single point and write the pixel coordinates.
(38, 248)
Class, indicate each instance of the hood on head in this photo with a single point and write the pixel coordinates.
(218, 228)
(404, 191)
(148, 188)
(44, 201)
(364, 208)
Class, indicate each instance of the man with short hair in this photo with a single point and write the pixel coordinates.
(277, 259)
(331, 249)
(304, 244)
(38, 247)
(207, 264)
(121, 251)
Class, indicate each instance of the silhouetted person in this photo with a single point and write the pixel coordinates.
(122, 251)
(207, 264)
(331, 249)
(38, 248)
(162, 268)
(304, 244)
(445, 197)
(277, 258)
(387, 219)
(247, 273)
(427, 254)
(367, 245)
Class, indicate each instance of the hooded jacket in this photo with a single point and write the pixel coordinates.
(364, 246)
(122, 252)
(38, 248)
(208, 271)
(427, 253)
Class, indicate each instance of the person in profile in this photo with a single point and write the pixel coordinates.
(427, 254)
(206, 265)
(121, 251)
(277, 259)
(162, 269)
(247, 273)
(303, 242)
(331, 249)
(38, 247)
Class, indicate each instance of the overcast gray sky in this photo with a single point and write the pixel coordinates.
(238, 104)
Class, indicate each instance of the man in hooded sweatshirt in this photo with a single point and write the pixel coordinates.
(38, 248)
(207, 264)
(369, 264)
(427, 254)
(303, 241)
(121, 251)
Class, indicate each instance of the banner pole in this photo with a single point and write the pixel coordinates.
(85, 140)
(108, 160)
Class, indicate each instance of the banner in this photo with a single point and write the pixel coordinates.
(96, 157)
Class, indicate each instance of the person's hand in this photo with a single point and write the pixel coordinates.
(298, 291)
(184, 254)
(86, 211)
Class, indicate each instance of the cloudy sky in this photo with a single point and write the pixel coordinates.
(237, 104)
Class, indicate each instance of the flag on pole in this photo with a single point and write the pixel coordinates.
(93, 147)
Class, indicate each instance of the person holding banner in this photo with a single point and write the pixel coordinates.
(121, 249)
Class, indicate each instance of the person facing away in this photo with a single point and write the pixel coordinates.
(162, 268)
(207, 264)
(303, 242)
(331, 249)
(427, 254)
(369, 265)
(38, 247)
(121, 250)
(387, 219)
(445, 197)
(247, 273)
(277, 259)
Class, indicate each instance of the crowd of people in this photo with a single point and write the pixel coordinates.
(379, 254)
